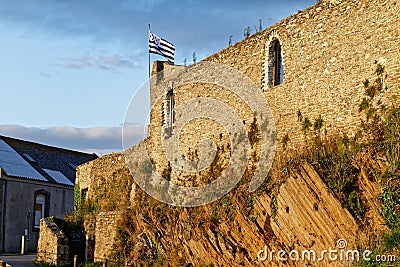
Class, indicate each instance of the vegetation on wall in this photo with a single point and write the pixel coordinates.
(375, 148)
(247, 32)
(338, 159)
(108, 194)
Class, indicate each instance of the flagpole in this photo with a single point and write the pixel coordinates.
(149, 54)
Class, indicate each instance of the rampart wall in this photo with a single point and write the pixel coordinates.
(328, 50)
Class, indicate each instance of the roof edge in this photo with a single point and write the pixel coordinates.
(47, 146)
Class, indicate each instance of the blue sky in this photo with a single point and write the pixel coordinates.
(69, 68)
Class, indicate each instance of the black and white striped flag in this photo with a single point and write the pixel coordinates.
(161, 47)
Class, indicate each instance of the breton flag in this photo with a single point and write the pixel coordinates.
(159, 46)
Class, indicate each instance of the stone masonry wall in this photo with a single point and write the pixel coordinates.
(328, 50)
(83, 175)
(97, 172)
(195, 131)
(106, 223)
(52, 245)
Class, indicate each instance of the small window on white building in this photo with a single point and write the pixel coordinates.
(40, 207)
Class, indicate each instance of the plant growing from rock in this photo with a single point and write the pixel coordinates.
(247, 32)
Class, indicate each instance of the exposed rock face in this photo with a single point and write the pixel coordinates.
(310, 216)
(232, 231)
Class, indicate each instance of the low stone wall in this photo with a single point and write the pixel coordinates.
(106, 230)
(53, 244)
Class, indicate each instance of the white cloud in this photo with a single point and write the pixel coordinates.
(112, 63)
(185, 23)
(99, 140)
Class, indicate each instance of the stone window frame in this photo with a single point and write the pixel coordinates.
(269, 66)
(169, 111)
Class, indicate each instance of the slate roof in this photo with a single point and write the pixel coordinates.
(14, 165)
(29, 160)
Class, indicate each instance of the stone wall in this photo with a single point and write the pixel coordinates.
(53, 244)
(194, 132)
(83, 176)
(97, 173)
(106, 226)
(328, 50)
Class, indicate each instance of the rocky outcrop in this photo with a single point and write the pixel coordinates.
(298, 214)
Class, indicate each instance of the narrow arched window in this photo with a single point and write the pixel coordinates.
(275, 64)
(169, 112)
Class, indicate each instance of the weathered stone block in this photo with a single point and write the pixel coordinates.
(52, 244)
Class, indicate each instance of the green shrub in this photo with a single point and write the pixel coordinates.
(390, 199)
(355, 206)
